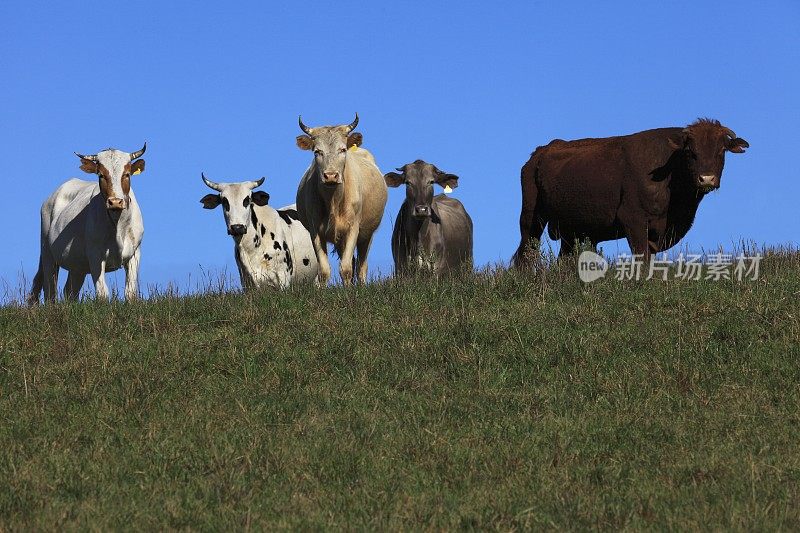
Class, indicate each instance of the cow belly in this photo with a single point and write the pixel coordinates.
(583, 205)
(69, 252)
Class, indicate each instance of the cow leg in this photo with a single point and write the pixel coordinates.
(567, 246)
(346, 265)
(98, 271)
(132, 276)
(73, 286)
(638, 242)
(321, 249)
(363, 251)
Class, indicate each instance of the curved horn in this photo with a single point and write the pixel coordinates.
(400, 169)
(729, 131)
(353, 124)
(211, 184)
(256, 183)
(89, 157)
(139, 153)
(303, 127)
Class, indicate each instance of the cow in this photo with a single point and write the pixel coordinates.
(645, 187)
(271, 247)
(433, 232)
(340, 198)
(92, 227)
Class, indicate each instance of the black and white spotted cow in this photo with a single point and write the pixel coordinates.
(272, 247)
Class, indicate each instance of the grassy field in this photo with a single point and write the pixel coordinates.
(501, 401)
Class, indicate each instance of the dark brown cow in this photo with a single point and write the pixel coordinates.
(645, 187)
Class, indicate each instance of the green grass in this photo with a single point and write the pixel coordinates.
(501, 400)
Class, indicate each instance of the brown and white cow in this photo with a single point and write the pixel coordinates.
(92, 227)
(341, 198)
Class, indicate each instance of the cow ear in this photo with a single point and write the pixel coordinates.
(260, 198)
(304, 142)
(737, 145)
(210, 201)
(354, 139)
(89, 166)
(137, 167)
(447, 180)
(393, 179)
(677, 142)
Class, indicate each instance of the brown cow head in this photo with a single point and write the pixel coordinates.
(704, 144)
(419, 178)
(330, 145)
(114, 169)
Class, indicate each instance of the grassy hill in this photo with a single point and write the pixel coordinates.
(501, 400)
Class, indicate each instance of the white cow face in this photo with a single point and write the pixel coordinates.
(237, 201)
(114, 169)
(330, 145)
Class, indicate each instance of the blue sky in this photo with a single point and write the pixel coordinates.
(473, 87)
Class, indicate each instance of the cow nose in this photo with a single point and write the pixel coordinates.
(331, 177)
(422, 211)
(237, 229)
(115, 204)
(708, 181)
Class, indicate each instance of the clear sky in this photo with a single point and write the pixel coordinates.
(473, 87)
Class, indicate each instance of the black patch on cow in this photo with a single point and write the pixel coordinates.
(263, 230)
(257, 241)
(276, 245)
(285, 246)
(271, 235)
(288, 261)
(305, 261)
(253, 217)
(288, 215)
(226, 204)
(268, 257)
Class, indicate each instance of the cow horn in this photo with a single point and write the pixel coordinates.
(257, 183)
(303, 127)
(729, 131)
(139, 153)
(89, 157)
(211, 184)
(353, 124)
(400, 169)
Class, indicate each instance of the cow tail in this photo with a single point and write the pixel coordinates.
(36, 288)
(529, 183)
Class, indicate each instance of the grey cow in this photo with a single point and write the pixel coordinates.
(431, 232)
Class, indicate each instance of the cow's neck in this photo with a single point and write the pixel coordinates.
(684, 200)
(261, 250)
(419, 232)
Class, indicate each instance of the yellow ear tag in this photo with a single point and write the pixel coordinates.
(447, 189)
(137, 171)
(354, 148)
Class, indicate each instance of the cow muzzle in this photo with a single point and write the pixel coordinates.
(422, 211)
(331, 178)
(708, 182)
(115, 204)
(237, 229)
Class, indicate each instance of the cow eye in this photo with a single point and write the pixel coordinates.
(342, 150)
(226, 204)
(246, 201)
(318, 153)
